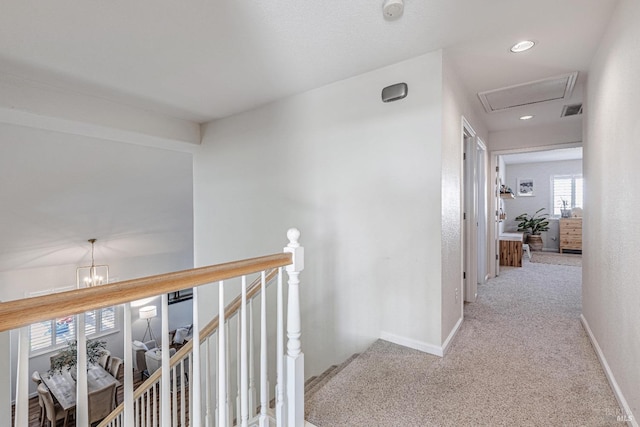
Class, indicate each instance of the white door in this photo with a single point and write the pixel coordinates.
(481, 185)
(470, 214)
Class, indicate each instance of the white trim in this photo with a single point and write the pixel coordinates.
(184, 143)
(454, 331)
(495, 205)
(411, 343)
(607, 370)
(568, 91)
(468, 198)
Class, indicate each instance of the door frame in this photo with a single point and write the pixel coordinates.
(493, 219)
(469, 204)
(482, 210)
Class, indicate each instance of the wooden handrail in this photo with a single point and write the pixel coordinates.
(230, 310)
(23, 312)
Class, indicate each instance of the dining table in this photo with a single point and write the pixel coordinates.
(63, 386)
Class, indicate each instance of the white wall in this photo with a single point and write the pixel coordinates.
(542, 173)
(611, 234)
(537, 136)
(77, 171)
(361, 179)
(455, 106)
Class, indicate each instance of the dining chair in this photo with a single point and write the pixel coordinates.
(114, 370)
(37, 379)
(53, 411)
(104, 359)
(101, 403)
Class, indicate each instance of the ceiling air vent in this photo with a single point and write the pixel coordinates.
(549, 89)
(571, 110)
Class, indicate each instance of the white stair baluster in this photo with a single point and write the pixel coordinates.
(222, 360)
(280, 415)
(154, 405)
(166, 378)
(22, 379)
(207, 380)
(214, 385)
(82, 403)
(194, 386)
(129, 410)
(264, 384)
(227, 371)
(252, 381)
(244, 384)
(193, 380)
(295, 357)
(238, 365)
(183, 407)
(137, 413)
(174, 395)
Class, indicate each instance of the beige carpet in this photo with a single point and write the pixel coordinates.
(574, 260)
(520, 358)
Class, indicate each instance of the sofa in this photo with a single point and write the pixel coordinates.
(139, 348)
(153, 359)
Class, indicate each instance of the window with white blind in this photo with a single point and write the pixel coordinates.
(567, 188)
(51, 334)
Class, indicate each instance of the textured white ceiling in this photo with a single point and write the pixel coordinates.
(202, 59)
(207, 59)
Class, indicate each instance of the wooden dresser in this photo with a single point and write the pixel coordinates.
(570, 234)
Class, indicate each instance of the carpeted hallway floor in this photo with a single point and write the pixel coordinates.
(520, 358)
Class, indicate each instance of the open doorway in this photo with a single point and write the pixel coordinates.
(474, 212)
(537, 179)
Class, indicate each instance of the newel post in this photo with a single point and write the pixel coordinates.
(295, 357)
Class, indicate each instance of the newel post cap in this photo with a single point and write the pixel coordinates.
(293, 234)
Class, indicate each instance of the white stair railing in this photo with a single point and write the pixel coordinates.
(172, 396)
(295, 357)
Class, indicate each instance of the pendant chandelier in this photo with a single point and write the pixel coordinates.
(92, 275)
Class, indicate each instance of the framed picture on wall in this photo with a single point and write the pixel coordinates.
(525, 187)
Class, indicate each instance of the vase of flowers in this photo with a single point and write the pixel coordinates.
(565, 212)
(67, 358)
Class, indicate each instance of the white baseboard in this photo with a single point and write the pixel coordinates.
(626, 411)
(454, 331)
(423, 346)
(411, 343)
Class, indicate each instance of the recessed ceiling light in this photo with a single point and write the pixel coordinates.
(522, 46)
(526, 117)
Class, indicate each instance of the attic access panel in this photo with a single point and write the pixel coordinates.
(549, 89)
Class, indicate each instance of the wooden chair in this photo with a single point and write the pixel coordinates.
(114, 370)
(101, 403)
(53, 411)
(35, 377)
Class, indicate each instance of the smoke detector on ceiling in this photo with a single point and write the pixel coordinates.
(392, 9)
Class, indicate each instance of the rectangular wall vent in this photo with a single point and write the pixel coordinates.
(571, 110)
(549, 89)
